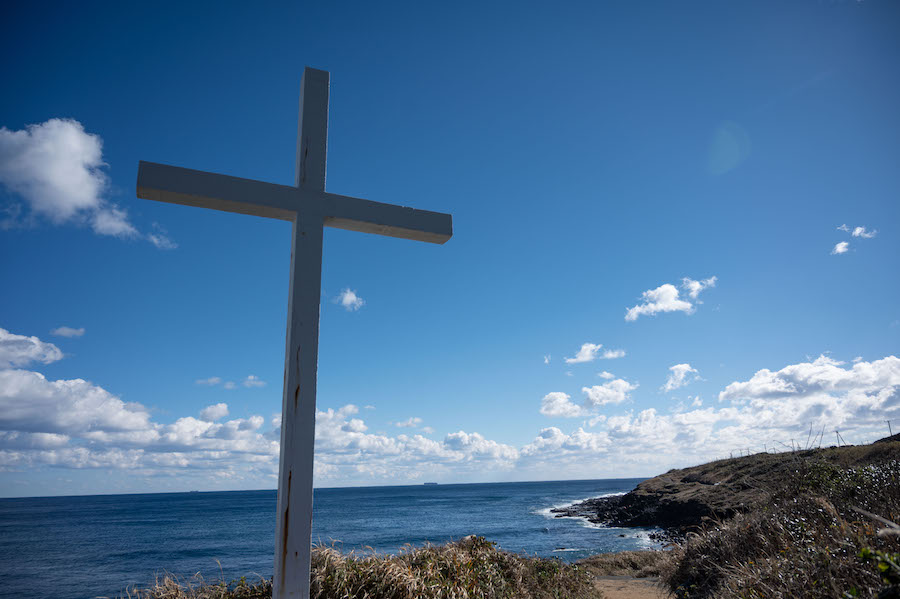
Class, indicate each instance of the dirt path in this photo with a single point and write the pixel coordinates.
(625, 587)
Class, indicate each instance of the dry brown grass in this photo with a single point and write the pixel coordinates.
(472, 568)
(637, 564)
(805, 542)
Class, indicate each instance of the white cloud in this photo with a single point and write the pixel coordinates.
(354, 425)
(662, 299)
(547, 359)
(840, 248)
(666, 298)
(19, 350)
(679, 377)
(606, 375)
(858, 231)
(253, 381)
(587, 353)
(558, 404)
(349, 300)
(615, 391)
(409, 423)
(56, 167)
(77, 424)
(214, 412)
(822, 376)
(67, 332)
(694, 288)
(612, 354)
(160, 238)
(474, 445)
(30, 403)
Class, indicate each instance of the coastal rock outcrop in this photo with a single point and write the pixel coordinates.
(682, 499)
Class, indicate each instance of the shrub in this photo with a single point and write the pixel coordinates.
(470, 568)
(806, 542)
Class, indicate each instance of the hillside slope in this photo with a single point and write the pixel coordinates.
(681, 499)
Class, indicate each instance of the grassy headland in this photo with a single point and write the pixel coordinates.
(814, 523)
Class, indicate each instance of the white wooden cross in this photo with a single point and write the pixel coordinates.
(310, 208)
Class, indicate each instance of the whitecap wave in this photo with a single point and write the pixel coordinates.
(547, 511)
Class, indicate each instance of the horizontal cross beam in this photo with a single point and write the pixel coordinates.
(177, 185)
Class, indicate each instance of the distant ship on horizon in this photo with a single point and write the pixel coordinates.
(430, 483)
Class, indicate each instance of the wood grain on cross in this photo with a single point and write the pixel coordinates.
(309, 207)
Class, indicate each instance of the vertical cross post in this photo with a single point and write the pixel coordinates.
(309, 208)
(298, 415)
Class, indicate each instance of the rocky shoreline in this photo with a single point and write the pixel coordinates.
(638, 510)
(681, 500)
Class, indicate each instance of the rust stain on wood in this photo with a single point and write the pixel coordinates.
(284, 534)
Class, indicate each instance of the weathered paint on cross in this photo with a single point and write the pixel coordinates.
(310, 208)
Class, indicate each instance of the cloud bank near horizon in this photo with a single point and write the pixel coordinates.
(77, 424)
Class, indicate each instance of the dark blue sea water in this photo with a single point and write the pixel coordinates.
(80, 547)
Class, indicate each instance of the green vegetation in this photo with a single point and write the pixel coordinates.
(472, 567)
(814, 535)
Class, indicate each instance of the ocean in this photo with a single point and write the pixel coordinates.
(91, 546)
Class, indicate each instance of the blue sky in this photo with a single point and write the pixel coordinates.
(711, 189)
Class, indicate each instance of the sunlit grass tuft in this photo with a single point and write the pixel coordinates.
(470, 568)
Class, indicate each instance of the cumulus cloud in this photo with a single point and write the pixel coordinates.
(56, 169)
(612, 354)
(666, 298)
(214, 412)
(587, 353)
(547, 359)
(19, 350)
(679, 376)
(67, 332)
(606, 375)
(409, 423)
(78, 424)
(615, 391)
(31, 403)
(694, 288)
(348, 300)
(558, 404)
(840, 248)
(821, 376)
(474, 446)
